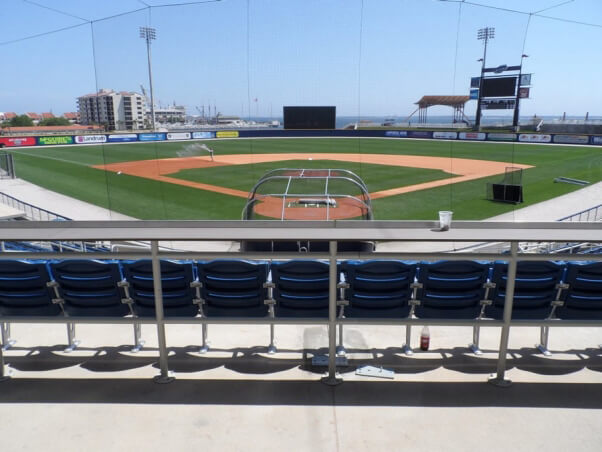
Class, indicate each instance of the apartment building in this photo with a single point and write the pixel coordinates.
(117, 110)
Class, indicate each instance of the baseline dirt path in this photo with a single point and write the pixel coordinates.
(461, 170)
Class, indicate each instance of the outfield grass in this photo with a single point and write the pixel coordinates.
(68, 170)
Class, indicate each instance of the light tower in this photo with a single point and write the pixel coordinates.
(149, 34)
(484, 34)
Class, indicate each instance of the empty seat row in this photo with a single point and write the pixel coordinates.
(298, 288)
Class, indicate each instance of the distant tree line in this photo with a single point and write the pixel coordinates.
(26, 121)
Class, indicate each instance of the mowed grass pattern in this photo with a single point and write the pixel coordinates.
(68, 170)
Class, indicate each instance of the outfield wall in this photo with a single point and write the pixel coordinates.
(280, 133)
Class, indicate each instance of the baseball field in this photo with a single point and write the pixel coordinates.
(407, 179)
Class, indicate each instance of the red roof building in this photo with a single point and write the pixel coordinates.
(47, 115)
(34, 116)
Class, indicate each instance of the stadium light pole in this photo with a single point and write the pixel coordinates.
(484, 34)
(516, 119)
(149, 34)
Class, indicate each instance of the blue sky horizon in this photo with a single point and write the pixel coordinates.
(251, 57)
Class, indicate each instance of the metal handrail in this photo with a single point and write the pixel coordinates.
(36, 213)
(333, 232)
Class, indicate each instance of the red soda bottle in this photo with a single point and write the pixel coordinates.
(425, 338)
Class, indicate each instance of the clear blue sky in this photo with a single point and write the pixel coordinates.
(300, 52)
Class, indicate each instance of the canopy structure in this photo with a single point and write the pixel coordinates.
(456, 102)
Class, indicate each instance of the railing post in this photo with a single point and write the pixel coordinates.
(164, 376)
(499, 379)
(332, 379)
(3, 376)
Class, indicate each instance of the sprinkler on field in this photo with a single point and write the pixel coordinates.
(195, 149)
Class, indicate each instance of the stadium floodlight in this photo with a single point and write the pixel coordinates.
(149, 34)
(486, 33)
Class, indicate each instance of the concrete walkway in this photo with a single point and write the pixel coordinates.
(57, 203)
(238, 398)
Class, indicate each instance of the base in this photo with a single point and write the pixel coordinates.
(6, 376)
(9, 343)
(544, 351)
(407, 350)
(499, 382)
(163, 379)
(341, 351)
(138, 347)
(72, 346)
(331, 381)
(475, 349)
(272, 349)
(204, 349)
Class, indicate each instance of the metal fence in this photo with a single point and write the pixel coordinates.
(31, 212)
(591, 214)
(331, 232)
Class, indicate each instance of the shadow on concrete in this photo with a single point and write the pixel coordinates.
(294, 392)
(256, 361)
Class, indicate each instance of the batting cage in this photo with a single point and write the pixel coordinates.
(308, 194)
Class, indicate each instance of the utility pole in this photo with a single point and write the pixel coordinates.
(149, 34)
(484, 34)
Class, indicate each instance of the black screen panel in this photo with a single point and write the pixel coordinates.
(309, 117)
(499, 87)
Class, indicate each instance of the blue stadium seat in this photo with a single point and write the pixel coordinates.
(536, 287)
(378, 288)
(233, 288)
(90, 288)
(451, 289)
(26, 290)
(583, 299)
(179, 295)
(300, 288)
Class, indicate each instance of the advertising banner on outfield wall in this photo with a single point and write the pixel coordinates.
(87, 139)
(472, 135)
(571, 139)
(445, 135)
(596, 140)
(396, 133)
(201, 135)
(178, 136)
(501, 136)
(535, 138)
(123, 138)
(420, 134)
(44, 141)
(227, 134)
(10, 142)
(151, 136)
